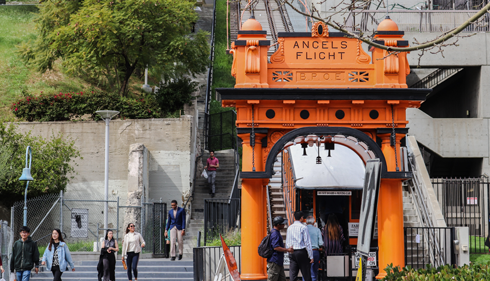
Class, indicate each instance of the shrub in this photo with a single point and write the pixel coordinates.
(68, 106)
(446, 272)
(173, 95)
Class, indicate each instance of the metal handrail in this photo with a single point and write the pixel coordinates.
(270, 19)
(424, 213)
(269, 209)
(286, 192)
(210, 79)
(436, 78)
(418, 20)
(288, 26)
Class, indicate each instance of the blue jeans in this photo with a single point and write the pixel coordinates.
(315, 265)
(23, 275)
(132, 263)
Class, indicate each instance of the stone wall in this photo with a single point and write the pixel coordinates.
(169, 143)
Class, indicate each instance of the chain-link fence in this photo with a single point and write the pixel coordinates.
(6, 241)
(82, 220)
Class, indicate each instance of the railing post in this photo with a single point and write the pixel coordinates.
(205, 221)
(221, 130)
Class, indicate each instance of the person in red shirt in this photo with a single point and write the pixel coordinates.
(1, 267)
(211, 165)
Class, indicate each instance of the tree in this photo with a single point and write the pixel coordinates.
(52, 163)
(113, 38)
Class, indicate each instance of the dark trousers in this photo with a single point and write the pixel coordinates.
(299, 260)
(133, 265)
(56, 273)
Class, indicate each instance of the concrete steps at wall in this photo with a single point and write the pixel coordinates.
(148, 269)
(224, 184)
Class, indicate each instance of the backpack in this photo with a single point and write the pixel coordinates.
(265, 249)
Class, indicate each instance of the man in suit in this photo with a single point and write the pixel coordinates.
(176, 225)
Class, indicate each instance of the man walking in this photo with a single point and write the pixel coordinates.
(275, 264)
(316, 243)
(25, 255)
(302, 257)
(211, 165)
(176, 224)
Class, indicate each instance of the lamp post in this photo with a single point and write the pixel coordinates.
(26, 176)
(106, 115)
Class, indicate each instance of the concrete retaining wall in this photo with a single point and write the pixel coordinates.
(169, 143)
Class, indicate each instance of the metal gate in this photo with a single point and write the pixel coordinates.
(464, 202)
(159, 222)
(221, 131)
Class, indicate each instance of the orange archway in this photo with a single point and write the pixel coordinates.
(314, 81)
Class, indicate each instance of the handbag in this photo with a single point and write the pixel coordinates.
(124, 265)
(12, 276)
(204, 174)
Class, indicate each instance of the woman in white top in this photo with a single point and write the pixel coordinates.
(132, 244)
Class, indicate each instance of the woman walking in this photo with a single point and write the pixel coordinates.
(57, 256)
(109, 246)
(132, 244)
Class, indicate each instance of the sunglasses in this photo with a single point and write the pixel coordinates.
(131, 226)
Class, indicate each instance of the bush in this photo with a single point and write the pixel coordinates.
(68, 106)
(173, 95)
(446, 272)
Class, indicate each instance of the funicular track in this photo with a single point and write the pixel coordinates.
(272, 16)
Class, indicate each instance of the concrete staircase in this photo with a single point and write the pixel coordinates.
(148, 269)
(410, 216)
(224, 184)
(276, 196)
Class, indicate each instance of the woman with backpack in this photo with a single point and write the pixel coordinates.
(57, 256)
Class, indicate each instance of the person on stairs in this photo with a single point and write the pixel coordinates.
(212, 163)
(176, 225)
(56, 257)
(133, 242)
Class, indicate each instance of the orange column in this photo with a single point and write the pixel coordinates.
(253, 211)
(390, 212)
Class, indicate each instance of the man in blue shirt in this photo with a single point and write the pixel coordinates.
(275, 264)
(176, 226)
(316, 243)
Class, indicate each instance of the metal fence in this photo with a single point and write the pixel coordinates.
(83, 219)
(220, 216)
(206, 260)
(221, 132)
(419, 20)
(464, 202)
(458, 5)
(429, 245)
(6, 242)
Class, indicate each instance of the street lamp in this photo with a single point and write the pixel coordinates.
(106, 115)
(26, 176)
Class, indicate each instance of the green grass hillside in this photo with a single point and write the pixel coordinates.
(17, 26)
